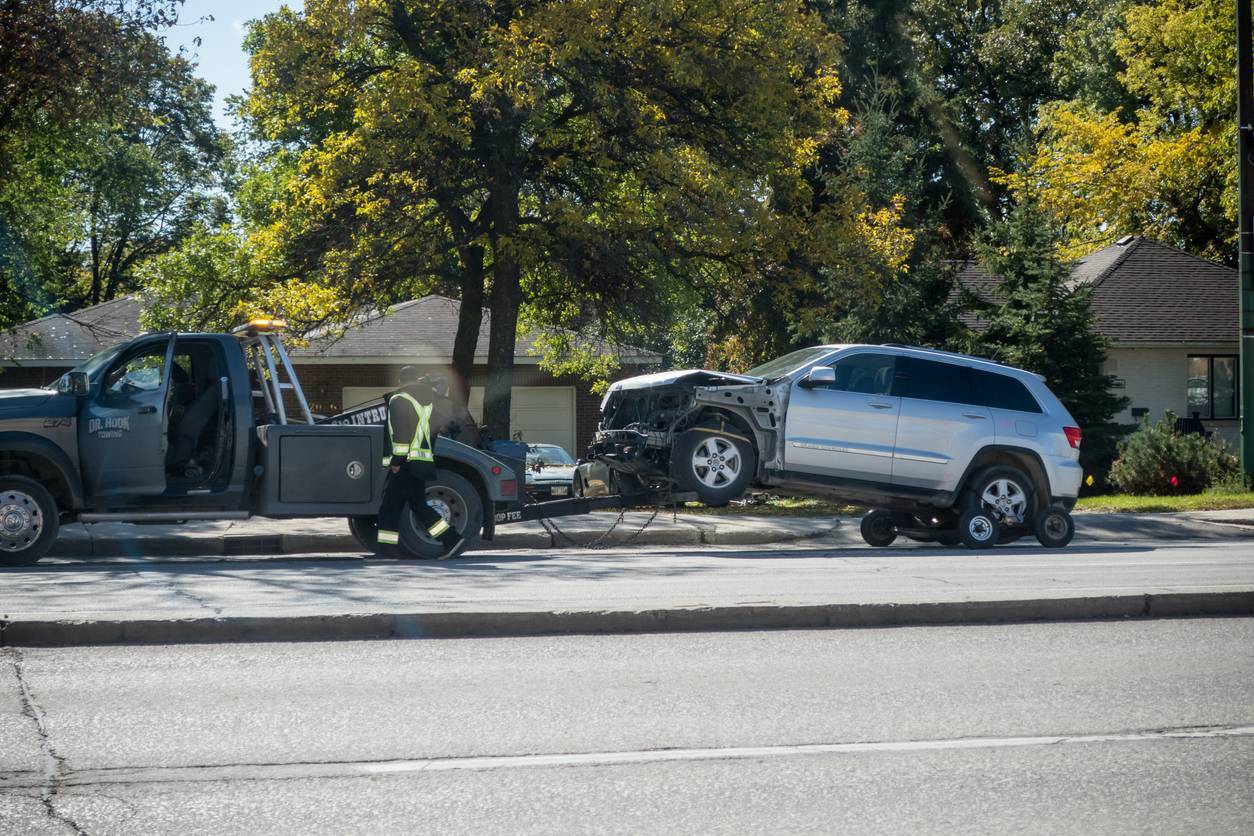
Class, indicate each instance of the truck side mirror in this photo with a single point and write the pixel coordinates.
(819, 376)
(75, 383)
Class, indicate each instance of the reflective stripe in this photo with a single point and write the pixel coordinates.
(387, 461)
(389, 538)
(439, 528)
(400, 449)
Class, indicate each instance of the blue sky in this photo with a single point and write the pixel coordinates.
(220, 57)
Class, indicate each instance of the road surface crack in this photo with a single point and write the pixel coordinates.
(54, 770)
(180, 592)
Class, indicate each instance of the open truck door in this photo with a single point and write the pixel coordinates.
(122, 425)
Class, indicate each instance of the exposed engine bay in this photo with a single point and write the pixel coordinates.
(644, 419)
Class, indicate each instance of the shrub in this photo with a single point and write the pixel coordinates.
(1156, 460)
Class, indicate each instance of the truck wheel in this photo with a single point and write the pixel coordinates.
(1053, 528)
(714, 464)
(365, 531)
(458, 502)
(28, 521)
(978, 529)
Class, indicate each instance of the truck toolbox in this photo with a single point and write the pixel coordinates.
(319, 469)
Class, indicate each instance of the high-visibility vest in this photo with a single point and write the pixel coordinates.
(419, 448)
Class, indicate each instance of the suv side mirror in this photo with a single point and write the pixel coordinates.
(819, 376)
(75, 383)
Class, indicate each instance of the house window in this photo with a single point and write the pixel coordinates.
(1213, 387)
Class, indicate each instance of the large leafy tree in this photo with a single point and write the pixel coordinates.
(586, 161)
(1147, 149)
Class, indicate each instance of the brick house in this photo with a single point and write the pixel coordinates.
(355, 365)
(1173, 324)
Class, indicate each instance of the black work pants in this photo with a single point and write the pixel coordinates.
(408, 487)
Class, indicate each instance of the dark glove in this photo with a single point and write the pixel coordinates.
(397, 461)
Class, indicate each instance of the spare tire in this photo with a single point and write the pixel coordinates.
(715, 463)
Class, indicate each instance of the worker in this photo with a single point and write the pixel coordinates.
(412, 429)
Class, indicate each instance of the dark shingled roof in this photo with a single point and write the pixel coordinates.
(1144, 292)
(423, 330)
(416, 331)
(72, 337)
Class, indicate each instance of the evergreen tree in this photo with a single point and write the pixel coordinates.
(1041, 320)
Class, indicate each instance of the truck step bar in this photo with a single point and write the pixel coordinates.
(162, 516)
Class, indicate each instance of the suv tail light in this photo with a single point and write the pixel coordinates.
(1073, 436)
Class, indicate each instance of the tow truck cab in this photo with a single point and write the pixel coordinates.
(180, 426)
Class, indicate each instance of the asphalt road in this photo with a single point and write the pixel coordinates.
(1110, 727)
(643, 578)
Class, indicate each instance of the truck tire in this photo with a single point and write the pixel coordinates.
(715, 464)
(28, 521)
(459, 503)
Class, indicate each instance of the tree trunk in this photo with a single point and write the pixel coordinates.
(506, 297)
(469, 320)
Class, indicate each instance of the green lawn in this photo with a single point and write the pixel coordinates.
(1210, 501)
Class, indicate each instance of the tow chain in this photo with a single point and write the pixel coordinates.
(601, 541)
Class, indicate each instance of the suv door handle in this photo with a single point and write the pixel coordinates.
(974, 415)
(147, 410)
(875, 405)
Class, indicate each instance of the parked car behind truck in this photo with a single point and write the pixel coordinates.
(945, 447)
(171, 427)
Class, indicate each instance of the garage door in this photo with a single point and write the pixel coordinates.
(542, 414)
(538, 414)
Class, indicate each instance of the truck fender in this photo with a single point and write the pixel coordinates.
(19, 442)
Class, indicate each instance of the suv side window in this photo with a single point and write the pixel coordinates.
(931, 380)
(1002, 392)
(868, 374)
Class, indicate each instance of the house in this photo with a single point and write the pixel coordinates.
(1173, 323)
(352, 366)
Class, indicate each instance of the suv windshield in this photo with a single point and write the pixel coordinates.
(781, 366)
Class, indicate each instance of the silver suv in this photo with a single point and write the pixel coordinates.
(944, 447)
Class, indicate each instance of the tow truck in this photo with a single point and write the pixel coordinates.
(175, 427)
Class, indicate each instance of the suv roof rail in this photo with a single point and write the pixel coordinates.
(943, 351)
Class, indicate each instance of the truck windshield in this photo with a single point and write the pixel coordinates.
(93, 366)
(781, 366)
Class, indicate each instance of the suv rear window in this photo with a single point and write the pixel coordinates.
(931, 381)
(1001, 392)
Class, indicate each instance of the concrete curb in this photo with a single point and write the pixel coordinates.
(447, 625)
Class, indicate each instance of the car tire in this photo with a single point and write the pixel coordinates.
(714, 464)
(459, 503)
(1053, 528)
(978, 528)
(1006, 491)
(878, 529)
(28, 521)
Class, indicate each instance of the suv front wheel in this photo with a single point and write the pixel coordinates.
(715, 464)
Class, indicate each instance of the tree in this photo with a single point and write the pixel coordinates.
(1041, 321)
(582, 162)
(1156, 159)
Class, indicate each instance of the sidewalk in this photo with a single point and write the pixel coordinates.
(330, 535)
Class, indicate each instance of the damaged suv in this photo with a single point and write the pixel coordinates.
(944, 446)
